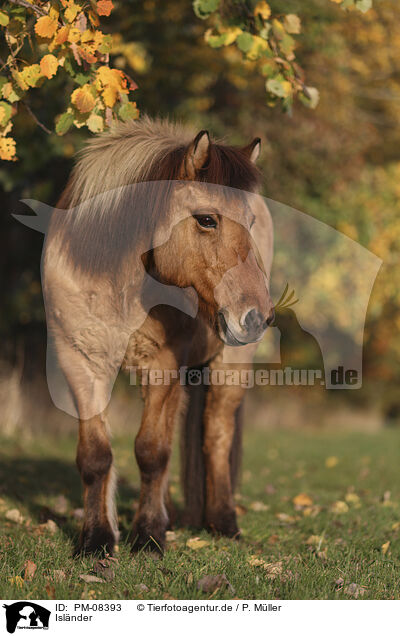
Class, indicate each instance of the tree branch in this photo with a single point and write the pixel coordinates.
(39, 123)
(28, 5)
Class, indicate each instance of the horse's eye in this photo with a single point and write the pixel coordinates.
(204, 220)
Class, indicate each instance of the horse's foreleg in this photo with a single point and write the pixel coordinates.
(153, 449)
(219, 428)
(94, 460)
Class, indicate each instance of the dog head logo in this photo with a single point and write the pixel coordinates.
(26, 615)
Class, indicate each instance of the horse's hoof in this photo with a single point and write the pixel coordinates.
(145, 539)
(97, 541)
(224, 523)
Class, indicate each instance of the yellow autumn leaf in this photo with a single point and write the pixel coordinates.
(83, 99)
(262, 9)
(72, 11)
(49, 65)
(46, 26)
(110, 95)
(7, 149)
(231, 33)
(196, 543)
(61, 36)
(74, 35)
(302, 500)
(339, 507)
(352, 498)
(385, 547)
(331, 462)
(18, 581)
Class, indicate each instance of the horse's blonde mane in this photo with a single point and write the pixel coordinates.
(130, 150)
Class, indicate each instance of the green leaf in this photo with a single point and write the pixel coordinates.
(4, 19)
(311, 99)
(7, 112)
(106, 45)
(128, 111)
(277, 86)
(95, 123)
(64, 123)
(245, 42)
(364, 5)
(83, 78)
(204, 8)
(215, 41)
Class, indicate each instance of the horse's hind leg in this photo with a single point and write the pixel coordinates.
(94, 459)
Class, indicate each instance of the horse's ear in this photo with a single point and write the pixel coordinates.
(252, 151)
(196, 155)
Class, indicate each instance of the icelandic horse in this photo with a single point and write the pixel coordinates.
(152, 201)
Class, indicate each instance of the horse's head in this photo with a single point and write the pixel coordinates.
(211, 246)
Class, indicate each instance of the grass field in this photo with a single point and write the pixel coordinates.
(319, 513)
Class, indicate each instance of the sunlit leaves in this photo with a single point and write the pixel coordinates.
(259, 34)
(46, 27)
(49, 65)
(83, 99)
(64, 39)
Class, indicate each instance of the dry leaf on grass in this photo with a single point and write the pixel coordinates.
(170, 536)
(89, 578)
(30, 569)
(59, 575)
(196, 543)
(258, 506)
(355, 590)
(14, 515)
(339, 507)
(209, 584)
(49, 526)
(385, 547)
(331, 462)
(302, 500)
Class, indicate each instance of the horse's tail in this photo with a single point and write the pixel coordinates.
(192, 458)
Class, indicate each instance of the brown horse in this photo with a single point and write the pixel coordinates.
(152, 207)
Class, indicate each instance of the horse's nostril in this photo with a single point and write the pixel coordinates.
(253, 320)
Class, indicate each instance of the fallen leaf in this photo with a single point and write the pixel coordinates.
(352, 498)
(255, 561)
(385, 547)
(258, 506)
(355, 590)
(331, 462)
(274, 538)
(50, 526)
(396, 525)
(104, 570)
(30, 569)
(17, 581)
(196, 543)
(302, 500)
(14, 515)
(89, 578)
(285, 518)
(59, 575)
(273, 570)
(209, 584)
(61, 505)
(171, 536)
(339, 507)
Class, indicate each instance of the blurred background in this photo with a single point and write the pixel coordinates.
(339, 163)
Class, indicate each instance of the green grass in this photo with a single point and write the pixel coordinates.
(277, 467)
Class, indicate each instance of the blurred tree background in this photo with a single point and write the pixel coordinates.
(339, 162)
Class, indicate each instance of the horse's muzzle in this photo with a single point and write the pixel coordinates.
(251, 328)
